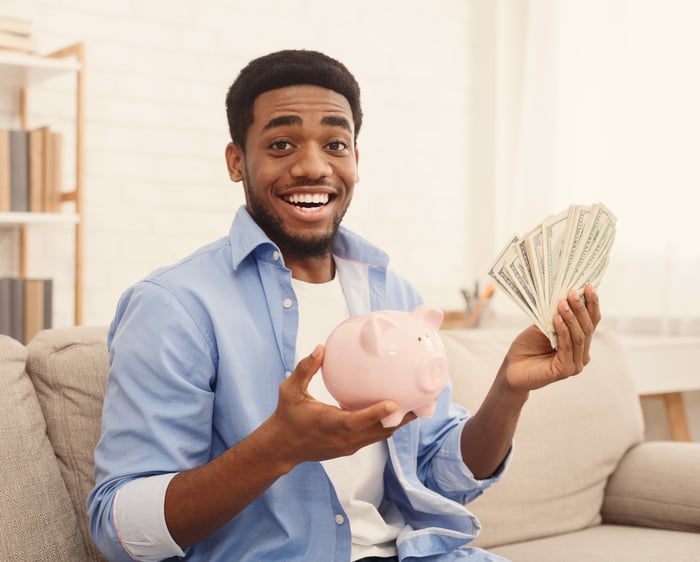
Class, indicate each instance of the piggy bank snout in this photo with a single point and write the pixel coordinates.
(433, 374)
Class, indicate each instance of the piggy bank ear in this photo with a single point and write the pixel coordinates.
(373, 331)
(429, 314)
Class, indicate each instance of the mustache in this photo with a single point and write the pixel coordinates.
(305, 182)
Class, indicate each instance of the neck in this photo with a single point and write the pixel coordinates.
(312, 270)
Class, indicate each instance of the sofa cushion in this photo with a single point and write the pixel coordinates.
(607, 543)
(68, 367)
(570, 437)
(657, 484)
(38, 520)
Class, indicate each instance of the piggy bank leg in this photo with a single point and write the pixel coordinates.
(392, 420)
(426, 411)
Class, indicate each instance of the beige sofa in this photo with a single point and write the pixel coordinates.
(583, 485)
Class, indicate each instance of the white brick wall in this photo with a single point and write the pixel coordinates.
(156, 183)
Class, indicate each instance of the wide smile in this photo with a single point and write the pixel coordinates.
(308, 202)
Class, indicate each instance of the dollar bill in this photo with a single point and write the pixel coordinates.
(565, 252)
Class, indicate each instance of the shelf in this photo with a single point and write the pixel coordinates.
(20, 69)
(17, 219)
(24, 72)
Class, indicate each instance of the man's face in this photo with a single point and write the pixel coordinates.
(299, 167)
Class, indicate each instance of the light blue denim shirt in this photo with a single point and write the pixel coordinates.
(197, 353)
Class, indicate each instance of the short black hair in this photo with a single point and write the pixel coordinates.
(279, 70)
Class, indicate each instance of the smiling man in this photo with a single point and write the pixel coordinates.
(219, 440)
(298, 165)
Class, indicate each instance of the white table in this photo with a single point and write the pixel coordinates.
(664, 367)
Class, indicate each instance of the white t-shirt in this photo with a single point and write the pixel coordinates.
(358, 479)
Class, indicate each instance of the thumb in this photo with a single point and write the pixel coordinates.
(308, 367)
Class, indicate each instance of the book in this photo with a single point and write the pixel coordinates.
(5, 306)
(39, 168)
(16, 26)
(48, 303)
(33, 308)
(35, 318)
(20, 43)
(5, 199)
(54, 178)
(26, 307)
(17, 308)
(19, 170)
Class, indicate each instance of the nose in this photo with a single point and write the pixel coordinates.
(311, 162)
(433, 374)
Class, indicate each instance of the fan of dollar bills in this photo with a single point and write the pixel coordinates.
(564, 252)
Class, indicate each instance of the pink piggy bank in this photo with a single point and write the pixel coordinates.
(387, 355)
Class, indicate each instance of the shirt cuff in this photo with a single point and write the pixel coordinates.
(452, 475)
(139, 515)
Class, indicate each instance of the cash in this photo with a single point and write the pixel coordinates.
(566, 251)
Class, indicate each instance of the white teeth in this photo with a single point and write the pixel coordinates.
(309, 198)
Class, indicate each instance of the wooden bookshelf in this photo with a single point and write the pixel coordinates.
(19, 69)
(19, 219)
(23, 72)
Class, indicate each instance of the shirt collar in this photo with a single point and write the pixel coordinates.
(245, 236)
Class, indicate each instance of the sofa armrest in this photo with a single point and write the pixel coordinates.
(656, 484)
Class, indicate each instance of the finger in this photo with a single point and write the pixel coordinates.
(592, 304)
(360, 420)
(583, 310)
(307, 368)
(574, 340)
(578, 307)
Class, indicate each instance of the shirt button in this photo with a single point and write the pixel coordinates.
(287, 373)
(339, 519)
(287, 303)
(275, 255)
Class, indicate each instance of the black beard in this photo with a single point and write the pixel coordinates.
(291, 245)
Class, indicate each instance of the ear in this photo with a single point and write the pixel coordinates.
(357, 165)
(431, 315)
(234, 161)
(372, 332)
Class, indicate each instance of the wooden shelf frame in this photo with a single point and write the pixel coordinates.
(18, 219)
(23, 71)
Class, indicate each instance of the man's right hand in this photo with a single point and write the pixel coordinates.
(309, 430)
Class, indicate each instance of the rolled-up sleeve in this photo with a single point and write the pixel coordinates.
(157, 411)
(453, 476)
(139, 509)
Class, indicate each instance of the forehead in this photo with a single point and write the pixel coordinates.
(310, 103)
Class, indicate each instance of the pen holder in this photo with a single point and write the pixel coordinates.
(476, 307)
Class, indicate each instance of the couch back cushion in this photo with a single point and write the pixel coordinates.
(37, 520)
(68, 367)
(569, 440)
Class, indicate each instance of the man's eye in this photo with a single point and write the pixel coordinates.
(337, 145)
(281, 145)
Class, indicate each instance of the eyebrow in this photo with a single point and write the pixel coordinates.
(337, 122)
(295, 121)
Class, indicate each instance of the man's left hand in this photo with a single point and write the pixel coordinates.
(531, 362)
